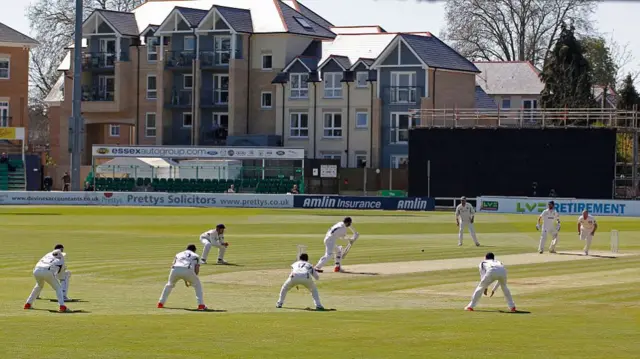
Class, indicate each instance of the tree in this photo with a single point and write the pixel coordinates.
(567, 74)
(603, 68)
(628, 96)
(512, 30)
(52, 23)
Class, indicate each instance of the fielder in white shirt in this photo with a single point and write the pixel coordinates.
(302, 273)
(47, 270)
(491, 271)
(64, 275)
(214, 238)
(550, 221)
(338, 230)
(186, 266)
(465, 214)
(587, 227)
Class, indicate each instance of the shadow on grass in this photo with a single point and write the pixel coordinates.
(308, 309)
(71, 301)
(582, 255)
(359, 273)
(28, 214)
(196, 310)
(501, 311)
(228, 265)
(80, 311)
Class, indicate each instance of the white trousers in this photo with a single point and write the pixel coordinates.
(43, 275)
(329, 246)
(207, 247)
(587, 237)
(186, 274)
(543, 239)
(64, 282)
(492, 275)
(303, 281)
(472, 232)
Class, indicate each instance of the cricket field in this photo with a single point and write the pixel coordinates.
(403, 295)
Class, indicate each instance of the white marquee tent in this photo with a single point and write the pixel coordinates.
(138, 167)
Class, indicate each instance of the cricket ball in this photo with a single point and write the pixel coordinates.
(422, 251)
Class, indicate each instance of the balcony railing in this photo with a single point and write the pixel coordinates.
(102, 60)
(97, 94)
(179, 98)
(214, 98)
(179, 59)
(532, 118)
(402, 95)
(217, 58)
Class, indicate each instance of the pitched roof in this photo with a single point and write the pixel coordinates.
(437, 54)
(509, 78)
(11, 36)
(309, 62)
(192, 16)
(342, 61)
(122, 22)
(483, 100)
(356, 46)
(598, 91)
(313, 16)
(239, 19)
(368, 29)
(56, 95)
(295, 23)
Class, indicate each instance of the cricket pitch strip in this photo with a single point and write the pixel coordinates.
(276, 276)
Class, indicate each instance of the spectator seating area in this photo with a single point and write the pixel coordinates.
(268, 185)
(12, 180)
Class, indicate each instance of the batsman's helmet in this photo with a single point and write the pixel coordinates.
(191, 247)
(347, 220)
(552, 203)
(304, 257)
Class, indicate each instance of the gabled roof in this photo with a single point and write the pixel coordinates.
(313, 16)
(56, 95)
(436, 54)
(294, 22)
(123, 23)
(9, 36)
(366, 62)
(239, 19)
(356, 46)
(150, 28)
(598, 92)
(310, 63)
(483, 100)
(192, 16)
(509, 78)
(342, 61)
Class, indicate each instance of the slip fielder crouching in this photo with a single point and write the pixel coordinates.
(186, 266)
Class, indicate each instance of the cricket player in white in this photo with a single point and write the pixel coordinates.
(64, 276)
(338, 230)
(302, 273)
(465, 214)
(214, 238)
(491, 271)
(186, 266)
(550, 220)
(587, 227)
(47, 270)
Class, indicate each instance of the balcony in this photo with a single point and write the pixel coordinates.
(96, 99)
(179, 60)
(179, 99)
(216, 137)
(102, 61)
(217, 60)
(215, 99)
(402, 95)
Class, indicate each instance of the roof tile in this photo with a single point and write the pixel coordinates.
(436, 53)
(123, 22)
(10, 35)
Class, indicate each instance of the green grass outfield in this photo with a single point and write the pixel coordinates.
(120, 259)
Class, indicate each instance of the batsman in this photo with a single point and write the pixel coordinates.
(338, 230)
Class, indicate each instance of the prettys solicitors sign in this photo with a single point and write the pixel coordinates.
(241, 153)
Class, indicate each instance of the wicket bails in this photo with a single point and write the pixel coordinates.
(301, 249)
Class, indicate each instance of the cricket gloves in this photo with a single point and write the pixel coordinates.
(537, 227)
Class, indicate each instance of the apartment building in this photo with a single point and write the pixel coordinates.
(14, 77)
(353, 97)
(185, 72)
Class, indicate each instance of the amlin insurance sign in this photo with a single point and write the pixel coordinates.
(526, 205)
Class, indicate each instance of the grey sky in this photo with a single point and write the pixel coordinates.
(617, 18)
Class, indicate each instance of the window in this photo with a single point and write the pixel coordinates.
(265, 100)
(187, 82)
(4, 114)
(403, 88)
(114, 130)
(267, 62)
(222, 50)
(4, 68)
(189, 43)
(152, 87)
(362, 119)
(361, 79)
(332, 84)
(299, 125)
(106, 88)
(529, 104)
(303, 23)
(299, 86)
(220, 120)
(332, 156)
(108, 52)
(400, 125)
(150, 124)
(332, 125)
(220, 89)
(187, 119)
(361, 160)
(399, 161)
(506, 103)
(152, 48)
